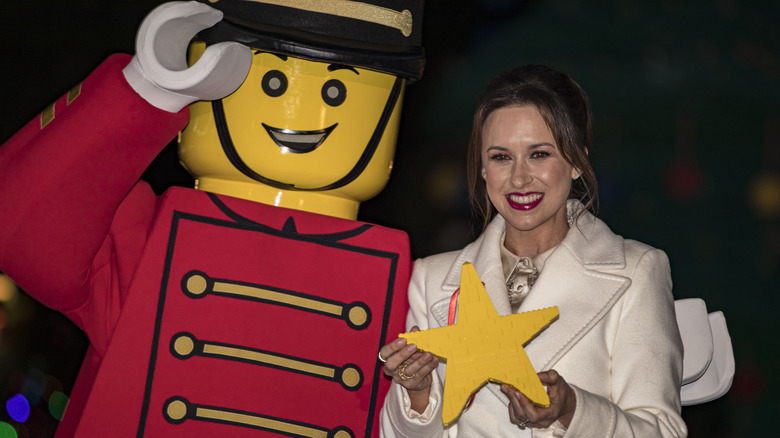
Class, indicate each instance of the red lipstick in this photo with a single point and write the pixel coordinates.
(524, 201)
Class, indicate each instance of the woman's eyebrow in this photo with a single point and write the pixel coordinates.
(533, 146)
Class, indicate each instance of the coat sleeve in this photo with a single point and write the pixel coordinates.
(63, 178)
(646, 363)
(397, 419)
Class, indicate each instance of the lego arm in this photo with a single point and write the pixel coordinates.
(63, 177)
(65, 174)
(159, 70)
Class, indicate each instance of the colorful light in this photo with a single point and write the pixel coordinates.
(7, 431)
(18, 408)
(685, 180)
(764, 195)
(57, 404)
(7, 289)
(31, 390)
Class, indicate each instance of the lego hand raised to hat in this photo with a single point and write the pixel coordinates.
(159, 70)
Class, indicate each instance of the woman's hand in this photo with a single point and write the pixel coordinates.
(562, 403)
(411, 369)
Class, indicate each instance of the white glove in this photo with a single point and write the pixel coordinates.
(159, 72)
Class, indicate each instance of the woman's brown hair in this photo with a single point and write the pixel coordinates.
(565, 109)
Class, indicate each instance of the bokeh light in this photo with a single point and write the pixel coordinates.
(7, 289)
(18, 408)
(31, 390)
(443, 185)
(49, 385)
(57, 404)
(685, 180)
(764, 194)
(40, 423)
(7, 431)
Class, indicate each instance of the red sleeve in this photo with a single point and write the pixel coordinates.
(64, 176)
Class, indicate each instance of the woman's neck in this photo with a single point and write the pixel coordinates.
(534, 242)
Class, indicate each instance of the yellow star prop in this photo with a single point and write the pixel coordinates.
(483, 346)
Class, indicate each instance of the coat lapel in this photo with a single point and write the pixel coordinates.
(484, 254)
(577, 279)
(573, 279)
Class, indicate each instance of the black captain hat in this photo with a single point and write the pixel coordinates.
(382, 35)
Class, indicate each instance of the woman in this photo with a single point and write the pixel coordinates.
(612, 362)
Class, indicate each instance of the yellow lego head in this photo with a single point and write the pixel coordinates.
(297, 125)
(314, 125)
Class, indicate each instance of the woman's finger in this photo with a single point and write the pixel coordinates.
(550, 377)
(527, 406)
(408, 366)
(387, 351)
(517, 413)
(418, 364)
(390, 349)
(398, 364)
(512, 415)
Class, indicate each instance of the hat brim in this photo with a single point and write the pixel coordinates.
(405, 61)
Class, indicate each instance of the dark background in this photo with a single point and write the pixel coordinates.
(686, 99)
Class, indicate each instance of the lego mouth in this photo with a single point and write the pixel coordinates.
(299, 142)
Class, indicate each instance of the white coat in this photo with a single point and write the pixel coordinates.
(616, 341)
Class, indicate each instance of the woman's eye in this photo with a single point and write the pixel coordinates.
(334, 92)
(274, 83)
(499, 157)
(540, 154)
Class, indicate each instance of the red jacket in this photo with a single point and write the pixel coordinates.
(206, 314)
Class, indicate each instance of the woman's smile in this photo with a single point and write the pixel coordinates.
(524, 201)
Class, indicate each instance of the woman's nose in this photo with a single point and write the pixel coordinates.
(521, 175)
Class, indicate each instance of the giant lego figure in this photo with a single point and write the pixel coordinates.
(254, 304)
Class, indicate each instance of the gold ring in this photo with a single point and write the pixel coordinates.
(401, 373)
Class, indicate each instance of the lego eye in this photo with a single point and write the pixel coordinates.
(334, 92)
(274, 83)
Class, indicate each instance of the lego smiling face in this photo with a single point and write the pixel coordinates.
(299, 125)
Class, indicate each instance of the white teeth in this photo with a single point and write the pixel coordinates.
(298, 138)
(525, 199)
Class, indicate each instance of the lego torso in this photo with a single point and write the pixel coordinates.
(241, 314)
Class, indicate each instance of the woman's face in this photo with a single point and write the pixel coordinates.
(527, 178)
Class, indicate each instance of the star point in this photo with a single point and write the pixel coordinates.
(483, 346)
